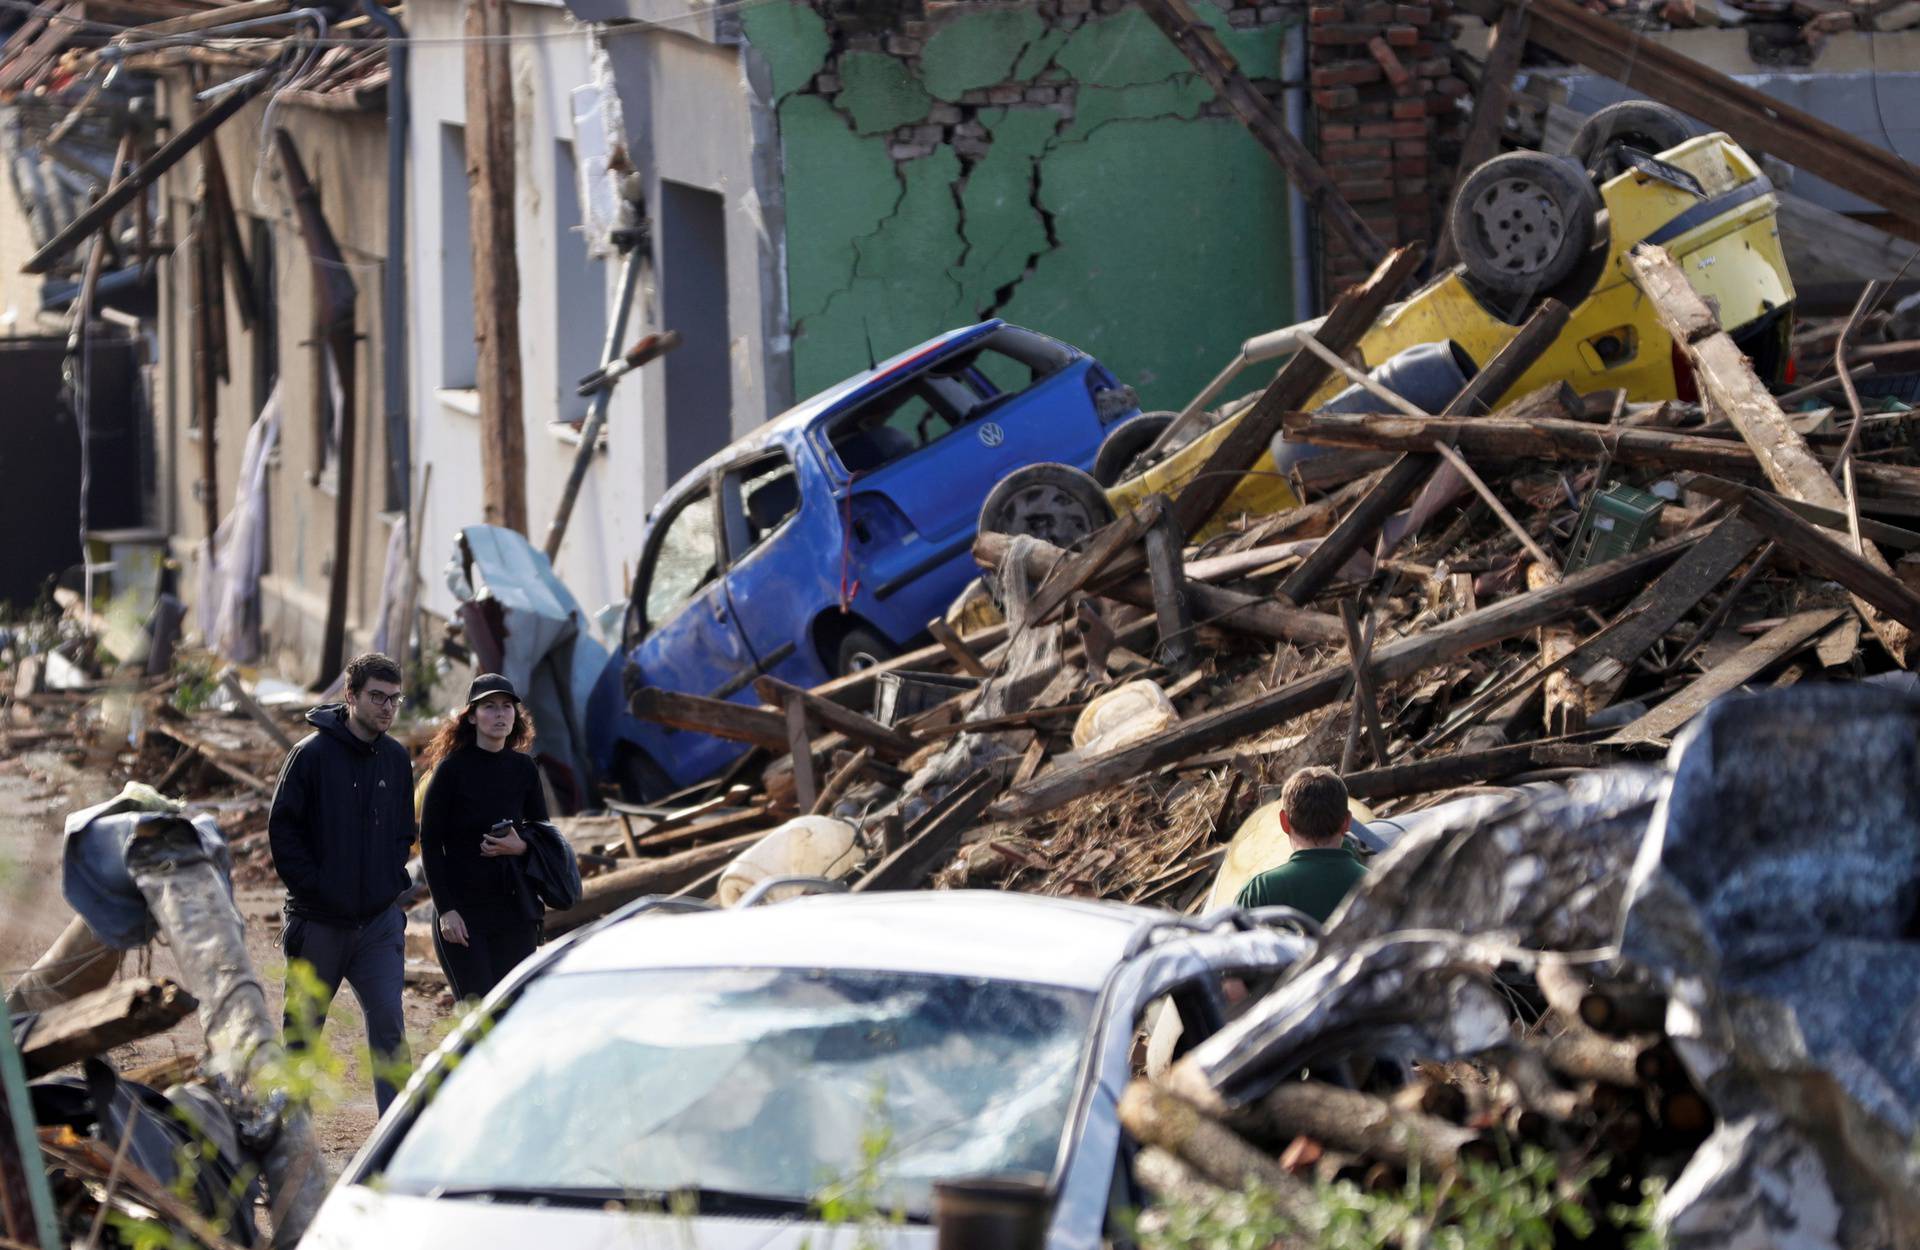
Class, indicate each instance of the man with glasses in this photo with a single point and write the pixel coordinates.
(341, 829)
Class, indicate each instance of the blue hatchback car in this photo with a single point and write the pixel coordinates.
(829, 537)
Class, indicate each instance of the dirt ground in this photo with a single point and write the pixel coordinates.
(37, 790)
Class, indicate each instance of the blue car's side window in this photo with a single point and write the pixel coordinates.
(683, 559)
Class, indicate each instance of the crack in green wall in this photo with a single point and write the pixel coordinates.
(1137, 229)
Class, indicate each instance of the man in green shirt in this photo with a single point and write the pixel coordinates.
(1321, 871)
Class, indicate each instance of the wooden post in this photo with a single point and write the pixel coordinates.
(800, 747)
(205, 391)
(1170, 607)
(496, 269)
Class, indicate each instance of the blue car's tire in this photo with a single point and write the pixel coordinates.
(859, 649)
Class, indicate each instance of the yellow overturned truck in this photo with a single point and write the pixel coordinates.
(1526, 226)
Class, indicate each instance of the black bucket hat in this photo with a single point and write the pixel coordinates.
(490, 683)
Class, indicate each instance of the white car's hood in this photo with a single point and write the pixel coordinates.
(356, 1217)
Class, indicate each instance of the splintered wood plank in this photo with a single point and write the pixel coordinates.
(1727, 378)
(1743, 665)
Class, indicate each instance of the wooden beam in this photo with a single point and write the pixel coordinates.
(1171, 607)
(602, 894)
(251, 706)
(1559, 439)
(1644, 621)
(800, 751)
(1886, 596)
(1197, 42)
(496, 268)
(887, 743)
(1464, 768)
(936, 837)
(104, 209)
(956, 647)
(95, 1023)
(1490, 103)
(1241, 448)
(1100, 559)
(1403, 657)
(1728, 675)
(856, 689)
(1366, 701)
(1360, 525)
(1228, 609)
(719, 717)
(1727, 379)
(1825, 518)
(1756, 121)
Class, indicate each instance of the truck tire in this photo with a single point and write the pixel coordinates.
(1055, 503)
(1642, 124)
(1522, 222)
(1123, 445)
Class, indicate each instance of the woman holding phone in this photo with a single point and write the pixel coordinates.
(484, 786)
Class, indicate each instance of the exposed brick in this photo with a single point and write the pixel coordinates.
(1358, 192)
(1042, 95)
(1425, 48)
(1333, 99)
(1337, 132)
(900, 45)
(944, 114)
(1409, 147)
(1375, 13)
(1364, 171)
(1455, 87)
(1364, 150)
(1404, 109)
(1346, 74)
(1274, 13)
(1441, 105)
(1389, 63)
(1411, 198)
(1382, 130)
(1004, 95)
(1326, 14)
(826, 84)
(1402, 36)
(1407, 129)
(1409, 166)
(1239, 19)
(1341, 32)
(1413, 14)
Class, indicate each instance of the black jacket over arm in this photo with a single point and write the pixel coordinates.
(471, 791)
(341, 824)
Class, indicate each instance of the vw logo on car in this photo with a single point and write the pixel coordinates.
(992, 435)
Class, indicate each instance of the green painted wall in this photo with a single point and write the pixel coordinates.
(1065, 179)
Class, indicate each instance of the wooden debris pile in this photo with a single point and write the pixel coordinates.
(1564, 584)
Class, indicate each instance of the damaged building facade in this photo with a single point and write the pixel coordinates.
(1035, 163)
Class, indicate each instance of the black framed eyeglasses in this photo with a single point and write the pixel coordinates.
(395, 700)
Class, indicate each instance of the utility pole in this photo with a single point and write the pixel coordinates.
(496, 271)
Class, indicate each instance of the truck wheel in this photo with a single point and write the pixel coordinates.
(1642, 124)
(1123, 445)
(1522, 221)
(1055, 503)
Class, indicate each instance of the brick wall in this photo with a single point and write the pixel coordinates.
(1386, 107)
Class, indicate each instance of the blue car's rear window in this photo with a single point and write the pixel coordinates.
(927, 406)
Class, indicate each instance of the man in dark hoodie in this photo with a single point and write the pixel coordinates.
(341, 828)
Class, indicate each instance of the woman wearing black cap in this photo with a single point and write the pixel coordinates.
(484, 784)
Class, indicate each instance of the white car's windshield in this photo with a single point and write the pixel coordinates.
(776, 1083)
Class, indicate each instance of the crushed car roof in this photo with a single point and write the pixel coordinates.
(975, 933)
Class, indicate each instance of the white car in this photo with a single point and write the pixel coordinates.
(706, 1076)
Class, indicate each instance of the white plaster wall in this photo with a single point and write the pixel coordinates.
(697, 122)
(447, 427)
